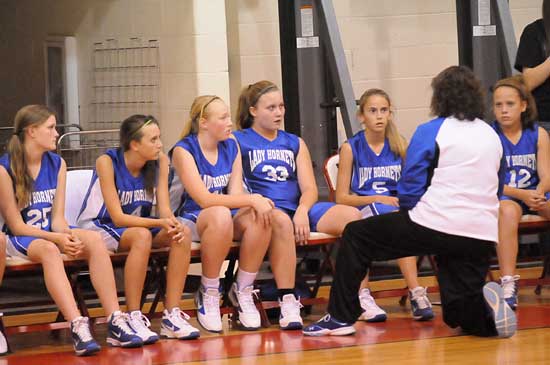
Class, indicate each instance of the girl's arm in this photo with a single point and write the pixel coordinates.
(543, 161)
(306, 178)
(12, 215)
(59, 223)
(187, 171)
(345, 168)
(535, 76)
(105, 172)
(163, 196)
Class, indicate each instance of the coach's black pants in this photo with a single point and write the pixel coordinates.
(462, 267)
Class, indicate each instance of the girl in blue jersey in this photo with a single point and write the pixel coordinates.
(32, 201)
(526, 147)
(369, 168)
(277, 165)
(119, 206)
(3, 341)
(207, 191)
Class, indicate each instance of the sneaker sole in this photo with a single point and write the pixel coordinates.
(84, 352)
(292, 326)
(116, 343)
(244, 327)
(167, 333)
(423, 318)
(343, 331)
(208, 329)
(377, 318)
(503, 315)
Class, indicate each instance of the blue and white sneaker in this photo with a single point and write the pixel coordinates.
(290, 318)
(421, 306)
(4, 347)
(207, 301)
(503, 315)
(120, 334)
(328, 326)
(371, 311)
(140, 324)
(83, 342)
(175, 324)
(510, 288)
(243, 302)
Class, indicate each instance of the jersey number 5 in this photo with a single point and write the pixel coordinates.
(379, 187)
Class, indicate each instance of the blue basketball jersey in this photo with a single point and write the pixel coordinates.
(215, 177)
(269, 167)
(134, 199)
(521, 158)
(39, 210)
(373, 174)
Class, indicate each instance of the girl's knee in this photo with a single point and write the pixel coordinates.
(510, 213)
(140, 238)
(280, 221)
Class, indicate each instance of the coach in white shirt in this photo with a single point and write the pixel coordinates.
(449, 199)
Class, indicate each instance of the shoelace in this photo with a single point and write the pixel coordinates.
(140, 321)
(292, 307)
(121, 321)
(211, 303)
(326, 318)
(180, 317)
(509, 286)
(81, 328)
(246, 299)
(421, 299)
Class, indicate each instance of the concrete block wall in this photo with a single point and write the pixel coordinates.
(219, 46)
(397, 45)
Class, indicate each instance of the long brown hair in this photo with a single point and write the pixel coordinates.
(131, 129)
(397, 142)
(249, 97)
(199, 109)
(518, 83)
(30, 115)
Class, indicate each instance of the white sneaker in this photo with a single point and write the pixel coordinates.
(290, 318)
(3, 340)
(421, 306)
(510, 289)
(371, 311)
(243, 302)
(207, 301)
(140, 324)
(174, 325)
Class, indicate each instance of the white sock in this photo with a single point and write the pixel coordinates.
(245, 279)
(210, 283)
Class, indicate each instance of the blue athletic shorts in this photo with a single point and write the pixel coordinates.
(315, 213)
(373, 209)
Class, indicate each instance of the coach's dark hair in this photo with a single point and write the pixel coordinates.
(457, 92)
(517, 82)
(249, 97)
(131, 129)
(27, 116)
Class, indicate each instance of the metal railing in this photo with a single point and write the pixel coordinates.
(81, 149)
